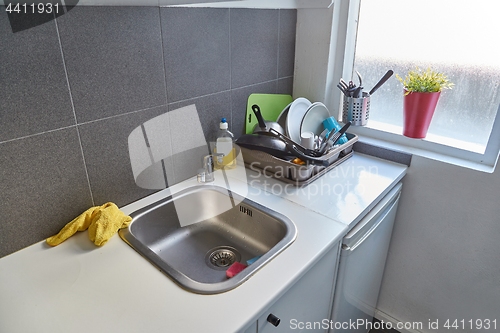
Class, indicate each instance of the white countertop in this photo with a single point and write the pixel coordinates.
(77, 287)
(345, 194)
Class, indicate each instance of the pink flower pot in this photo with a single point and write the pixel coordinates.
(418, 109)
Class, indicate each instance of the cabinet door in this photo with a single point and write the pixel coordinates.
(251, 329)
(307, 303)
(361, 268)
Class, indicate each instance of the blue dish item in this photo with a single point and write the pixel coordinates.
(332, 124)
(251, 261)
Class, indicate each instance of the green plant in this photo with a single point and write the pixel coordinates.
(424, 81)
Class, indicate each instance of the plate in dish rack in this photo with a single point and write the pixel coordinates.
(313, 119)
(294, 119)
(283, 115)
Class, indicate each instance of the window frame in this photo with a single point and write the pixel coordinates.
(483, 162)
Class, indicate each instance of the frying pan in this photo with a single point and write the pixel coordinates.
(273, 145)
(265, 143)
(263, 126)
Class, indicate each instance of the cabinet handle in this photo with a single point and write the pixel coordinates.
(273, 320)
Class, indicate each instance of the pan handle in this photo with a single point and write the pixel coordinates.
(293, 148)
(256, 110)
(308, 152)
(314, 160)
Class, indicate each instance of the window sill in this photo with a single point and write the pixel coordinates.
(432, 150)
(431, 138)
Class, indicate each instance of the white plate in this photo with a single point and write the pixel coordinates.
(313, 119)
(295, 114)
(283, 115)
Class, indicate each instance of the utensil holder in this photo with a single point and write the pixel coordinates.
(356, 110)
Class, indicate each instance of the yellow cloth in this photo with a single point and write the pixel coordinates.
(102, 222)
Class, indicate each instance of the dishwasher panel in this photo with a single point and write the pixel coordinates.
(362, 262)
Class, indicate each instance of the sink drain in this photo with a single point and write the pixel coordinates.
(222, 257)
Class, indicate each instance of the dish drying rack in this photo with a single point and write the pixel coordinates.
(295, 174)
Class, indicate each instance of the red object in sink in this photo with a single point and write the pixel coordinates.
(235, 269)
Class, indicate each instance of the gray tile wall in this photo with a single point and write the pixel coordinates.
(73, 90)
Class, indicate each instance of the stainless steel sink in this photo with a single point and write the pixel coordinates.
(198, 233)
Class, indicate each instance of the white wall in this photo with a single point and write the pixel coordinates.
(444, 258)
(312, 51)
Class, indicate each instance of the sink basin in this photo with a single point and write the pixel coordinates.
(198, 233)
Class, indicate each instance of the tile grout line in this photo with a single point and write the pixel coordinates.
(201, 96)
(163, 56)
(230, 71)
(166, 97)
(122, 114)
(135, 111)
(173, 162)
(84, 123)
(278, 45)
(74, 114)
(230, 56)
(229, 90)
(37, 134)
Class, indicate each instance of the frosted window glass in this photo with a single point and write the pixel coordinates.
(452, 36)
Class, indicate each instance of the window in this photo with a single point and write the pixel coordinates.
(451, 36)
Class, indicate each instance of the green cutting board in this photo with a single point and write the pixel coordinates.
(270, 106)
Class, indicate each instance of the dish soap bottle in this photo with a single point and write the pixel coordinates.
(224, 145)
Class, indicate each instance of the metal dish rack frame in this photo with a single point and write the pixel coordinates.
(294, 174)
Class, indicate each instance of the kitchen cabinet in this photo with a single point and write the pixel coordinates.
(307, 302)
(362, 261)
(252, 328)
